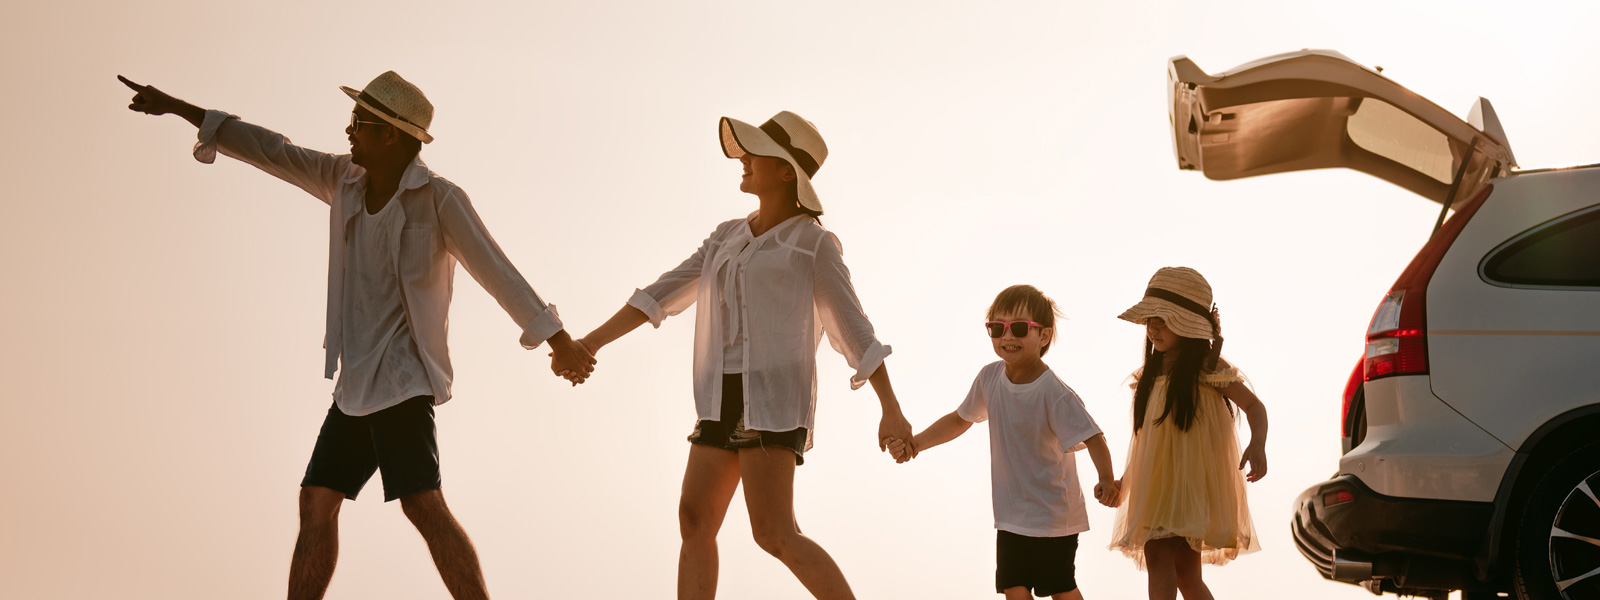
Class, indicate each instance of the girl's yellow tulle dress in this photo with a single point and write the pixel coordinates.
(1186, 483)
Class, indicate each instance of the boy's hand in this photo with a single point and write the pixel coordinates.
(901, 450)
(1108, 492)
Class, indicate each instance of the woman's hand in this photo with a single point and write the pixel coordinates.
(895, 427)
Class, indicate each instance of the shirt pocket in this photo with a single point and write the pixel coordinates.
(418, 246)
(777, 295)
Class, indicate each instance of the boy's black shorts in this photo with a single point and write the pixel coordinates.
(400, 441)
(1041, 565)
(729, 433)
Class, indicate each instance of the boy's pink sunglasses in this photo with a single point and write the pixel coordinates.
(1018, 328)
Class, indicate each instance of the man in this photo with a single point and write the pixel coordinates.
(396, 231)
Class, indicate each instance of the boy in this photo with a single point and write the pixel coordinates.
(1036, 422)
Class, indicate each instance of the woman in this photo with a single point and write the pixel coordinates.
(769, 285)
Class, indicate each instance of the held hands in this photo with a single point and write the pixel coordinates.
(1109, 492)
(901, 450)
(1256, 456)
(894, 430)
(571, 359)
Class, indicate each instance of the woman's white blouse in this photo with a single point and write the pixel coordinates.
(792, 287)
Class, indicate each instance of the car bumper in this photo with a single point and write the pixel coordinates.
(1368, 538)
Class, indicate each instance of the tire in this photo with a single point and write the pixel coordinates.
(1558, 537)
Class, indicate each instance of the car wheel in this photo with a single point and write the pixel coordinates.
(1558, 538)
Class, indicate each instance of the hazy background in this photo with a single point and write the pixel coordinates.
(163, 319)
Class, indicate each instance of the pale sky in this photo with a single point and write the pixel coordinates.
(163, 319)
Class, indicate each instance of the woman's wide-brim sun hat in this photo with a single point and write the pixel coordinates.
(397, 102)
(1182, 299)
(785, 136)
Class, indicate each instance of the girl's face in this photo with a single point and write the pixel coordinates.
(1019, 350)
(764, 175)
(1161, 338)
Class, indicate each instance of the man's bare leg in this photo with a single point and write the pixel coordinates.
(317, 548)
(452, 550)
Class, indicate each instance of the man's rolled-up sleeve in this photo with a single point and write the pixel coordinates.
(469, 241)
(318, 173)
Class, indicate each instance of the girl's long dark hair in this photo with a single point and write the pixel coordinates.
(1183, 383)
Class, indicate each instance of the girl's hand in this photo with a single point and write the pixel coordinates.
(1256, 456)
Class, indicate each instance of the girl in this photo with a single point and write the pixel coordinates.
(1184, 499)
(768, 286)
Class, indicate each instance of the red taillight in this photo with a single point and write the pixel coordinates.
(1396, 344)
(1350, 388)
(1335, 498)
(1397, 340)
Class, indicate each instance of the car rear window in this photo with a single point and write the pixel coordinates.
(1561, 252)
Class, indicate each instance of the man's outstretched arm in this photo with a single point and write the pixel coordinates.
(151, 101)
(318, 173)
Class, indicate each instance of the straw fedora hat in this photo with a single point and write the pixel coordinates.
(785, 136)
(398, 102)
(1182, 299)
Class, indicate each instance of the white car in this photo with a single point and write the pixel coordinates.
(1472, 424)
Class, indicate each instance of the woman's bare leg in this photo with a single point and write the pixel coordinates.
(768, 475)
(708, 485)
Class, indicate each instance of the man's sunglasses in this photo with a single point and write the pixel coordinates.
(355, 123)
(1018, 328)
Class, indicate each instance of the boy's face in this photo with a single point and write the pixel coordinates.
(1018, 350)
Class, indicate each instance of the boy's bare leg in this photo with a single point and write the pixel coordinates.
(1072, 595)
(769, 495)
(709, 482)
(1018, 593)
(452, 550)
(316, 550)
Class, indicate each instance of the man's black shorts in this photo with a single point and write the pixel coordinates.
(1042, 565)
(399, 441)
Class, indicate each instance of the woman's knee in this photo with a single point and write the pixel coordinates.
(775, 540)
(697, 521)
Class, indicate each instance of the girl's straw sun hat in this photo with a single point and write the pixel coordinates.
(397, 102)
(1182, 299)
(785, 136)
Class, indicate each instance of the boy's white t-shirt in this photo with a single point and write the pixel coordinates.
(1033, 428)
